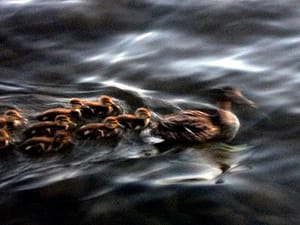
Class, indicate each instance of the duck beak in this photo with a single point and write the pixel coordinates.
(242, 100)
(252, 104)
(248, 102)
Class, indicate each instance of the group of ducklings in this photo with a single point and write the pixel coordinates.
(55, 129)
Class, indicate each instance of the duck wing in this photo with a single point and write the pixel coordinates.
(191, 125)
(50, 114)
(35, 145)
(90, 131)
(44, 128)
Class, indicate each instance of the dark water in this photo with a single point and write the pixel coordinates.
(165, 55)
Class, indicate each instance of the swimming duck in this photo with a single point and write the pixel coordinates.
(110, 128)
(11, 119)
(36, 145)
(86, 111)
(197, 126)
(105, 106)
(50, 114)
(138, 121)
(4, 139)
(48, 128)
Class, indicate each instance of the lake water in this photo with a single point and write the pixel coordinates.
(165, 55)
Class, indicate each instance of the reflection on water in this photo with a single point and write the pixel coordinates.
(164, 55)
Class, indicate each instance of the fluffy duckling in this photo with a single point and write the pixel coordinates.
(11, 119)
(50, 114)
(48, 128)
(104, 107)
(37, 145)
(86, 111)
(4, 139)
(110, 128)
(196, 126)
(138, 121)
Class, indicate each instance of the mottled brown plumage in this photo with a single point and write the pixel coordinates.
(195, 126)
(186, 126)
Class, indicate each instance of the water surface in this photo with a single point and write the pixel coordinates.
(164, 55)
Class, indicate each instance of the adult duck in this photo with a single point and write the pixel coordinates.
(200, 126)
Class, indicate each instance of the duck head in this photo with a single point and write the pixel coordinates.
(106, 100)
(75, 103)
(63, 121)
(14, 117)
(227, 95)
(142, 113)
(61, 140)
(111, 122)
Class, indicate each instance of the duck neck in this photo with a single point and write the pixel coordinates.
(230, 122)
(225, 105)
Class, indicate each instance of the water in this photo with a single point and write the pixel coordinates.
(164, 55)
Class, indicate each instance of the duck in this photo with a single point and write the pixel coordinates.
(109, 128)
(138, 121)
(43, 144)
(4, 139)
(49, 128)
(104, 107)
(86, 111)
(11, 119)
(49, 115)
(200, 126)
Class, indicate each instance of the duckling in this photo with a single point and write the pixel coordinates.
(50, 114)
(11, 119)
(4, 139)
(138, 121)
(110, 128)
(196, 126)
(37, 145)
(104, 107)
(86, 111)
(48, 128)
